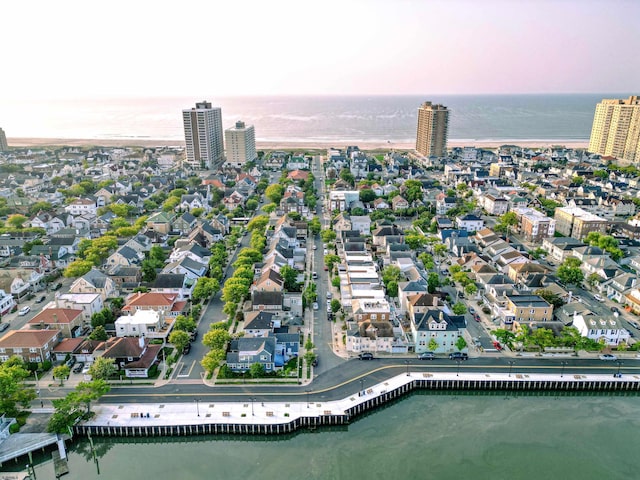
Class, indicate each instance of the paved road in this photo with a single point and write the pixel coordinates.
(343, 380)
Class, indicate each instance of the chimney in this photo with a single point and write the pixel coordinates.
(441, 316)
(141, 341)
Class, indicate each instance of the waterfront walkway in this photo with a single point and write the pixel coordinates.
(198, 412)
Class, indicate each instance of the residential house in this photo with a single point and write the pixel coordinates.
(620, 286)
(167, 304)
(610, 329)
(399, 203)
(529, 309)
(81, 206)
(269, 281)
(134, 357)
(33, 346)
(179, 283)
(469, 222)
(161, 222)
(439, 326)
(185, 223)
(260, 324)
(94, 281)
(370, 336)
(444, 203)
(69, 322)
(144, 323)
(561, 248)
(7, 302)
(493, 204)
(244, 352)
(361, 223)
(267, 301)
(124, 257)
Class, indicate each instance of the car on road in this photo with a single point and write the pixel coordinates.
(598, 297)
(607, 357)
(314, 275)
(193, 335)
(57, 286)
(615, 310)
(326, 269)
(186, 349)
(24, 310)
(315, 362)
(315, 305)
(460, 295)
(315, 247)
(634, 324)
(3, 326)
(476, 317)
(326, 252)
(458, 356)
(41, 299)
(365, 356)
(329, 295)
(426, 356)
(472, 310)
(78, 368)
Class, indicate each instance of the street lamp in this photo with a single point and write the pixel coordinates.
(252, 400)
(562, 370)
(407, 364)
(198, 406)
(308, 392)
(619, 365)
(361, 387)
(511, 362)
(458, 368)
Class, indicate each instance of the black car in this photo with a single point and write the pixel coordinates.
(193, 335)
(615, 310)
(71, 362)
(315, 362)
(186, 349)
(3, 326)
(366, 356)
(458, 356)
(57, 286)
(78, 368)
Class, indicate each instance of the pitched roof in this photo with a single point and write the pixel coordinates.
(28, 338)
(55, 315)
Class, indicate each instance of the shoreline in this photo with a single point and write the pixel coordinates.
(22, 142)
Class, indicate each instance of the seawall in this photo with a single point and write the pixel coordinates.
(252, 417)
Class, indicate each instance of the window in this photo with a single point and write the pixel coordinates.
(33, 350)
(374, 316)
(532, 311)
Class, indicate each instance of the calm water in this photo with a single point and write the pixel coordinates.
(344, 119)
(421, 437)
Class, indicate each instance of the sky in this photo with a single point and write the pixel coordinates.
(71, 49)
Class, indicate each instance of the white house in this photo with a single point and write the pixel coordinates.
(147, 323)
(470, 223)
(596, 328)
(82, 206)
(89, 303)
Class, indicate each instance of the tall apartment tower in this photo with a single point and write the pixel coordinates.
(203, 136)
(433, 123)
(616, 129)
(241, 144)
(3, 141)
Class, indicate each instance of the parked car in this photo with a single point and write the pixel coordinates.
(365, 356)
(79, 367)
(472, 310)
(634, 324)
(71, 362)
(3, 326)
(329, 295)
(41, 299)
(476, 317)
(326, 269)
(315, 247)
(186, 349)
(24, 310)
(86, 368)
(315, 362)
(598, 297)
(315, 305)
(615, 310)
(57, 286)
(426, 356)
(608, 357)
(314, 275)
(458, 356)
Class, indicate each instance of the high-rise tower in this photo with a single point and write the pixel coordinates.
(616, 129)
(433, 123)
(3, 141)
(203, 136)
(241, 144)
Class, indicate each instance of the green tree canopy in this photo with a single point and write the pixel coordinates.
(569, 272)
(459, 309)
(103, 368)
(216, 338)
(13, 391)
(180, 339)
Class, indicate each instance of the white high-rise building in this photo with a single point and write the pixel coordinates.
(3, 141)
(241, 144)
(203, 136)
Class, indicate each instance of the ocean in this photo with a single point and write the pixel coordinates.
(322, 119)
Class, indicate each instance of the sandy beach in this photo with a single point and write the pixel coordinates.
(266, 145)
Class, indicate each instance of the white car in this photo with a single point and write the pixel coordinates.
(608, 357)
(315, 305)
(598, 297)
(315, 247)
(24, 310)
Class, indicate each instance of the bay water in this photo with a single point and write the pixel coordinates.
(495, 436)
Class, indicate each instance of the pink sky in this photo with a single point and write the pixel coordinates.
(79, 48)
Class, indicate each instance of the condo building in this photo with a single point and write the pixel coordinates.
(240, 141)
(433, 123)
(203, 136)
(577, 223)
(3, 141)
(616, 129)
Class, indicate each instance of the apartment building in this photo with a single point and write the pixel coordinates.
(616, 129)
(534, 226)
(433, 125)
(577, 223)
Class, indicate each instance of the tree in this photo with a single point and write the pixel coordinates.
(179, 339)
(427, 260)
(315, 226)
(77, 268)
(506, 222)
(335, 305)
(433, 282)
(432, 346)
(470, 289)
(569, 272)
(98, 333)
(412, 190)
(274, 193)
(251, 205)
(213, 359)
(461, 343)
(440, 249)
(330, 260)
(459, 309)
(235, 290)
(205, 288)
(391, 272)
(103, 368)
(258, 223)
(290, 277)
(269, 208)
(328, 236)
(256, 370)
(186, 324)
(13, 392)
(593, 280)
(61, 372)
(367, 195)
(16, 220)
(415, 241)
(392, 288)
(216, 338)
(88, 391)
